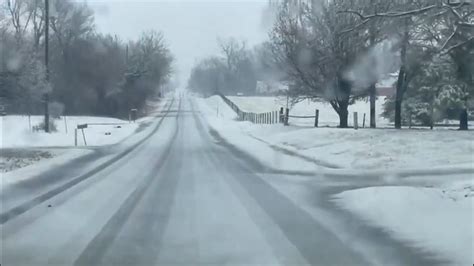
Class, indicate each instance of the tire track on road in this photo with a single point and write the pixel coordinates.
(95, 251)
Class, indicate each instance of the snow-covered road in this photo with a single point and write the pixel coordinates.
(179, 197)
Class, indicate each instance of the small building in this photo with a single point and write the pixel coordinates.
(387, 86)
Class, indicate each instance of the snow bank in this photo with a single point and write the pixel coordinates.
(439, 220)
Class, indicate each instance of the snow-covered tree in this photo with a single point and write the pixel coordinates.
(434, 94)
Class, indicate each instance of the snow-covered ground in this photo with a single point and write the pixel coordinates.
(16, 131)
(439, 219)
(363, 149)
(21, 146)
(425, 178)
(12, 159)
(327, 115)
(29, 169)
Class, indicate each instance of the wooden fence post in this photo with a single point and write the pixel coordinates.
(363, 122)
(65, 123)
(356, 125)
(287, 116)
(75, 137)
(84, 136)
(316, 118)
(281, 115)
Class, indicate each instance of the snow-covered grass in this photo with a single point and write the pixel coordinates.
(37, 167)
(440, 220)
(16, 131)
(22, 147)
(12, 159)
(364, 149)
(373, 149)
(327, 115)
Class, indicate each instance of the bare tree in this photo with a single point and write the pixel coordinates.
(17, 10)
(239, 73)
(315, 56)
(427, 28)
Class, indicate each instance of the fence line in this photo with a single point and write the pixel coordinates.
(282, 116)
(272, 117)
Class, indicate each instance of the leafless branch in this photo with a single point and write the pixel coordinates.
(451, 48)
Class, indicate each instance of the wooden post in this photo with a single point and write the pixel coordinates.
(363, 122)
(409, 120)
(29, 121)
(281, 115)
(65, 124)
(84, 137)
(287, 116)
(316, 118)
(75, 137)
(356, 125)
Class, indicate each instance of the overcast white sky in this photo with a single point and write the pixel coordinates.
(191, 27)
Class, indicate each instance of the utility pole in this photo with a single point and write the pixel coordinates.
(46, 59)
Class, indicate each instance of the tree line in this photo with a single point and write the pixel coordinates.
(337, 51)
(235, 70)
(89, 73)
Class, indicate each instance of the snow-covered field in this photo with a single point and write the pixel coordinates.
(436, 214)
(16, 131)
(364, 149)
(441, 219)
(21, 146)
(327, 115)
